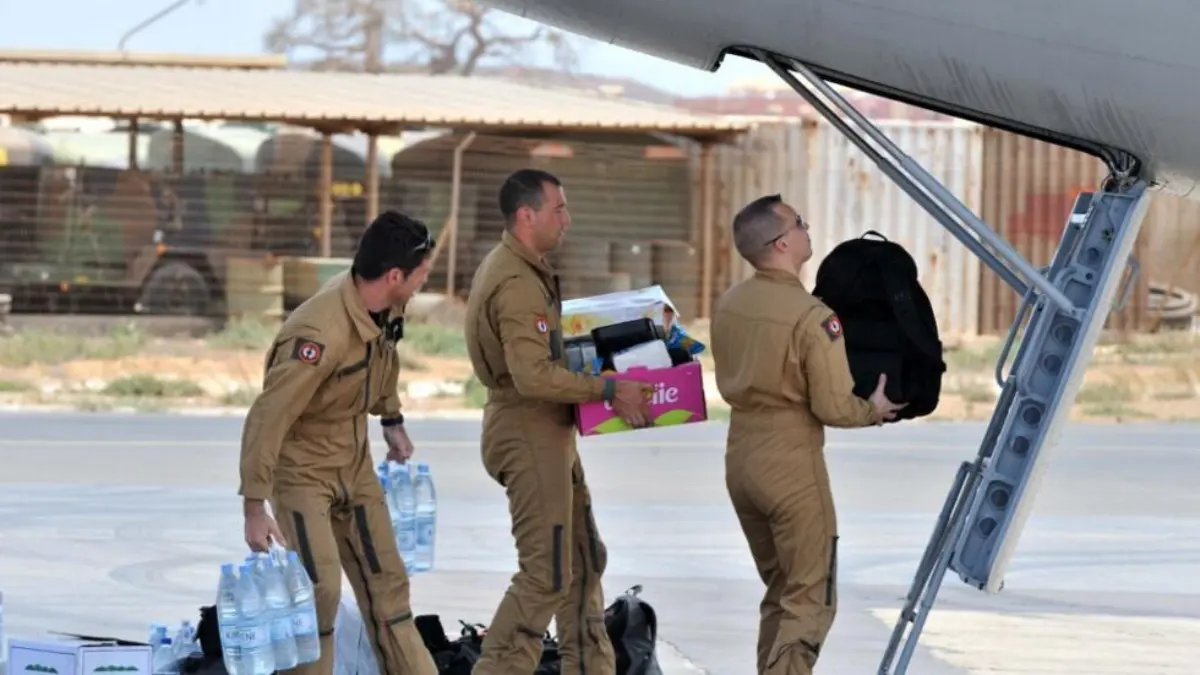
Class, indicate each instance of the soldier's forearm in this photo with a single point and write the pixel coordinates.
(550, 382)
(851, 412)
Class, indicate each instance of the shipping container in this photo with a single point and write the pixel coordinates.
(843, 194)
(1022, 188)
(1029, 189)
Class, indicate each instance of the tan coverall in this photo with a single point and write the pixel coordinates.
(514, 336)
(305, 447)
(781, 364)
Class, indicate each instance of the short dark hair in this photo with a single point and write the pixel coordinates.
(524, 188)
(755, 225)
(392, 240)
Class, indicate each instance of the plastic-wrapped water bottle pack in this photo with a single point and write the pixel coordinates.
(266, 614)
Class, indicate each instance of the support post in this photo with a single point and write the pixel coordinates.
(177, 148)
(133, 144)
(325, 195)
(372, 177)
(707, 224)
(452, 218)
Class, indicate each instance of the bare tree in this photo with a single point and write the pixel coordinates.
(435, 36)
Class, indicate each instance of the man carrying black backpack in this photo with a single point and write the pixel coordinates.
(781, 365)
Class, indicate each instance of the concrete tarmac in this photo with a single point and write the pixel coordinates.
(110, 522)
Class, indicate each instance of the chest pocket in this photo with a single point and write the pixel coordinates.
(352, 382)
(383, 360)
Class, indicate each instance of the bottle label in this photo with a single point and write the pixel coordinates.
(303, 623)
(231, 638)
(425, 532)
(281, 629)
(245, 637)
(257, 636)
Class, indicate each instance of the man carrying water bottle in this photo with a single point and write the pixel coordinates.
(515, 342)
(305, 447)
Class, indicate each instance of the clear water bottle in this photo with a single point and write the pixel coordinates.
(228, 621)
(279, 610)
(304, 610)
(158, 645)
(255, 627)
(184, 641)
(405, 504)
(426, 519)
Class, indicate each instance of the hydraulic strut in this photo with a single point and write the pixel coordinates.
(1067, 304)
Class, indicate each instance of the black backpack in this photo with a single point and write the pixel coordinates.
(887, 321)
(632, 627)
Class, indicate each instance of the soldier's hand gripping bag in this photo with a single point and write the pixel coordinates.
(887, 321)
(632, 627)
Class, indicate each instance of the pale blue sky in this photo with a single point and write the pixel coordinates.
(237, 26)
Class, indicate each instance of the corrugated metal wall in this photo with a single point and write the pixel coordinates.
(1021, 187)
(1029, 188)
(630, 200)
(843, 194)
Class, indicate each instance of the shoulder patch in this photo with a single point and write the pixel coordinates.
(542, 325)
(307, 351)
(833, 327)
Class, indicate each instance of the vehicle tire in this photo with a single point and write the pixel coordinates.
(175, 288)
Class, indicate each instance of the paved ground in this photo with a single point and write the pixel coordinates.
(109, 522)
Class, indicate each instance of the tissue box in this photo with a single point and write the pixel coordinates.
(581, 315)
(678, 399)
(67, 656)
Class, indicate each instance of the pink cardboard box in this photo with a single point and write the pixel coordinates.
(678, 399)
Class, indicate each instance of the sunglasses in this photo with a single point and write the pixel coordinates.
(800, 224)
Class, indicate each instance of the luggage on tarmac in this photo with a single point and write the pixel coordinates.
(887, 321)
(633, 629)
(631, 623)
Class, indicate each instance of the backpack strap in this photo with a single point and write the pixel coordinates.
(904, 307)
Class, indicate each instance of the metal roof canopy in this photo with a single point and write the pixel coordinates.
(335, 102)
(127, 59)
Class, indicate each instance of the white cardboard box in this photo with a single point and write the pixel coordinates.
(72, 656)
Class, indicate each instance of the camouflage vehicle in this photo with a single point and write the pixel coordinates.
(98, 238)
(90, 238)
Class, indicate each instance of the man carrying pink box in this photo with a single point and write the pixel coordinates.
(515, 340)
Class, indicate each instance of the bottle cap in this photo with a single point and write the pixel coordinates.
(227, 568)
(422, 468)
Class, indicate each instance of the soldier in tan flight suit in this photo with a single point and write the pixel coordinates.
(515, 340)
(305, 447)
(781, 364)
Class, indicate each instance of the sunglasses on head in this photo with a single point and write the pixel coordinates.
(426, 245)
